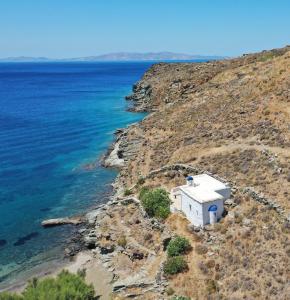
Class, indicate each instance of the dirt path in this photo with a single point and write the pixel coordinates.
(178, 224)
(131, 239)
(244, 146)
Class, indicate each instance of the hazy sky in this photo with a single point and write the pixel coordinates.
(72, 28)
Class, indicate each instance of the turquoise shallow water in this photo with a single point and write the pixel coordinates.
(54, 119)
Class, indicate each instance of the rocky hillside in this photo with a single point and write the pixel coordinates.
(229, 118)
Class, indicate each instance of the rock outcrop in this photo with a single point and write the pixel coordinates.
(141, 96)
(62, 221)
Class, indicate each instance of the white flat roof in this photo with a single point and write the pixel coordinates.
(208, 182)
(204, 188)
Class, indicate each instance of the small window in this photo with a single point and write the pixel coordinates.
(197, 212)
(190, 207)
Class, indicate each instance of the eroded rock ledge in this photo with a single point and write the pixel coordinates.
(122, 150)
(62, 221)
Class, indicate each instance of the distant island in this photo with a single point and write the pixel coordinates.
(119, 56)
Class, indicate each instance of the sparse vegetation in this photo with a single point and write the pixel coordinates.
(178, 246)
(266, 56)
(174, 265)
(180, 298)
(65, 286)
(156, 202)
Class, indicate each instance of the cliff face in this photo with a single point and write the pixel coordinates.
(230, 118)
(164, 83)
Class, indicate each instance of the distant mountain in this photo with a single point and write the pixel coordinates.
(25, 59)
(119, 56)
(150, 56)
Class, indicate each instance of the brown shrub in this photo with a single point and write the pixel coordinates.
(201, 249)
(169, 291)
(210, 263)
(238, 218)
(218, 227)
(286, 227)
(122, 241)
(203, 267)
(148, 236)
(211, 286)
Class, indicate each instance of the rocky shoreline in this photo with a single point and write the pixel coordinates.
(121, 150)
(104, 248)
(104, 241)
(141, 97)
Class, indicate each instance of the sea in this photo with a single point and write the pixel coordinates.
(56, 122)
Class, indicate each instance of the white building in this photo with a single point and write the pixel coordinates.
(201, 199)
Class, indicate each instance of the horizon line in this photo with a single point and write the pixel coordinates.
(103, 55)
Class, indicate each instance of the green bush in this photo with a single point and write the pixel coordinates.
(175, 265)
(155, 202)
(162, 212)
(180, 298)
(177, 246)
(65, 286)
(127, 192)
(9, 296)
(144, 190)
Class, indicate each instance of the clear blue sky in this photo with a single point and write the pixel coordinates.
(72, 28)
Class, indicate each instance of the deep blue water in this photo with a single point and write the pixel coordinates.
(55, 118)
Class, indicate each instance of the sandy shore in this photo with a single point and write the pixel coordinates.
(96, 274)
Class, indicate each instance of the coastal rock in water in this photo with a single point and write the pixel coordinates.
(114, 158)
(61, 221)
